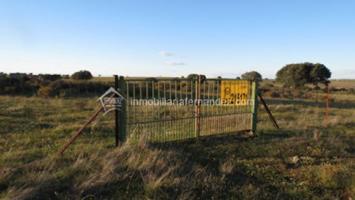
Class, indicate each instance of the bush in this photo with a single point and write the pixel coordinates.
(48, 85)
(17, 84)
(297, 75)
(66, 88)
(252, 76)
(82, 75)
(45, 91)
(275, 94)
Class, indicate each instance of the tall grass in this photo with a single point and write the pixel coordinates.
(303, 160)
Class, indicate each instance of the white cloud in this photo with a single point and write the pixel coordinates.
(166, 53)
(175, 63)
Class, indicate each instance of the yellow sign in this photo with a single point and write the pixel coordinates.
(235, 92)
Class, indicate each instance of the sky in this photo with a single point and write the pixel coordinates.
(176, 37)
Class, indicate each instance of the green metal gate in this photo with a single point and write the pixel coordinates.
(168, 109)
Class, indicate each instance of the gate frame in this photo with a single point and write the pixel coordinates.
(121, 114)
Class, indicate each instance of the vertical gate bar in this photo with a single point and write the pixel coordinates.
(134, 90)
(153, 95)
(186, 90)
(140, 90)
(158, 89)
(170, 90)
(194, 91)
(197, 106)
(127, 89)
(254, 108)
(175, 90)
(164, 89)
(146, 90)
(208, 91)
(191, 90)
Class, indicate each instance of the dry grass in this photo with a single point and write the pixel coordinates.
(303, 160)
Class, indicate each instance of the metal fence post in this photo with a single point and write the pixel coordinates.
(254, 109)
(117, 115)
(121, 114)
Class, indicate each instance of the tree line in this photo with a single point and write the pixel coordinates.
(48, 85)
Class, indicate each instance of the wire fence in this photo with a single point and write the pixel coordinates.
(176, 109)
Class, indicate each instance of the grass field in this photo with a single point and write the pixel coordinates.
(343, 84)
(302, 160)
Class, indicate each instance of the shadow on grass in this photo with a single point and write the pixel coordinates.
(225, 139)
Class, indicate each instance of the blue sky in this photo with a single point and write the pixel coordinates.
(175, 38)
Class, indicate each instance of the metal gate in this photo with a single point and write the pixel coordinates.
(167, 109)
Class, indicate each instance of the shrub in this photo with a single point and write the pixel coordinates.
(252, 76)
(82, 75)
(65, 88)
(275, 94)
(45, 91)
(49, 77)
(17, 84)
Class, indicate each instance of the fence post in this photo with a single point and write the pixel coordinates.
(254, 109)
(197, 105)
(121, 113)
(117, 115)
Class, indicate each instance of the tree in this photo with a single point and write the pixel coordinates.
(195, 77)
(320, 74)
(296, 75)
(252, 76)
(82, 75)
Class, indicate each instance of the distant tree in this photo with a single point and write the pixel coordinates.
(195, 77)
(252, 76)
(3, 75)
(82, 75)
(238, 78)
(49, 77)
(66, 76)
(19, 76)
(3, 81)
(297, 75)
(192, 76)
